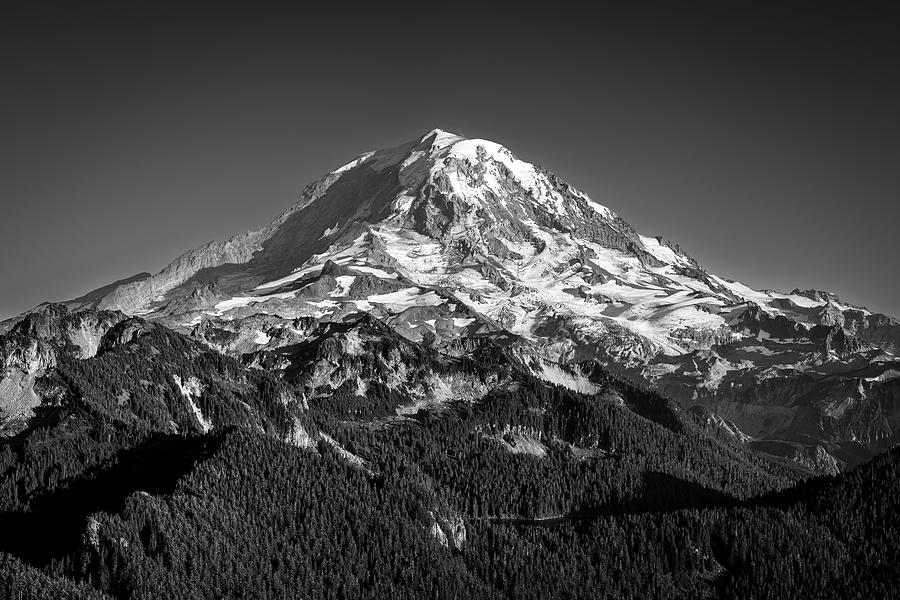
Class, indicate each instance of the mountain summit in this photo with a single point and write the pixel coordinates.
(462, 216)
(450, 240)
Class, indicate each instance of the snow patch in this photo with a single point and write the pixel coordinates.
(888, 375)
(661, 252)
(329, 231)
(362, 305)
(241, 301)
(343, 285)
(411, 296)
(297, 274)
(356, 161)
(373, 271)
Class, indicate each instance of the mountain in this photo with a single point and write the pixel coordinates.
(444, 372)
(448, 240)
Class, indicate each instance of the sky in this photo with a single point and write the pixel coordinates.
(763, 138)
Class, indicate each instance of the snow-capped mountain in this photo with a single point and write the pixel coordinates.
(450, 240)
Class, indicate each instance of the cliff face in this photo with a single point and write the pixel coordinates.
(24, 362)
(29, 352)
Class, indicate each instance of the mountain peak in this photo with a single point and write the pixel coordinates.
(439, 134)
(470, 199)
(448, 239)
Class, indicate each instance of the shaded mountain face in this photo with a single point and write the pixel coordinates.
(448, 241)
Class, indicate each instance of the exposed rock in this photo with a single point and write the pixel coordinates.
(92, 533)
(715, 422)
(298, 436)
(125, 332)
(23, 361)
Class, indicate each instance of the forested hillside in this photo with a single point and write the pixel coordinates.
(159, 468)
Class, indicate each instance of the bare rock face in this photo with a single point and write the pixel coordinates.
(125, 332)
(23, 361)
(30, 349)
(299, 437)
(877, 330)
(56, 324)
(449, 531)
(438, 534)
(715, 422)
(454, 531)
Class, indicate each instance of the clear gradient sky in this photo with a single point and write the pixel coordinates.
(763, 139)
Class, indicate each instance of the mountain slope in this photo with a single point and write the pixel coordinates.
(446, 373)
(159, 465)
(261, 518)
(446, 239)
